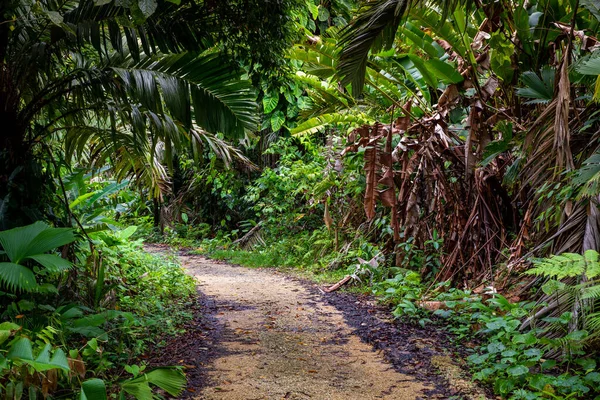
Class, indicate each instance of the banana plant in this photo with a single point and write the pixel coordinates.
(26, 250)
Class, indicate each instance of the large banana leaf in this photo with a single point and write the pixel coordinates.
(318, 124)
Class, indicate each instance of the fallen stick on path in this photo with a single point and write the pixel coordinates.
(338, 285)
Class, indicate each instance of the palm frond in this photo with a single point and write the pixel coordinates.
(374, 28)
(17, 277)
(221, 100)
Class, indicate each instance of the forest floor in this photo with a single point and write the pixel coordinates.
(262, 334)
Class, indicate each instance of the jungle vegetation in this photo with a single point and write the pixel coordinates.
(431, 153)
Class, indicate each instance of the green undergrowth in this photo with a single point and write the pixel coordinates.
(544, 359)
(313, 255)
(86, 323)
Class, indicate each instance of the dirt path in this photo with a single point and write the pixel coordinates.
(279, 343)
(259, 334)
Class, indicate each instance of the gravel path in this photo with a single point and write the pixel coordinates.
(278, 341)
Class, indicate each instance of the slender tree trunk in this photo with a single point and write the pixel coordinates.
(156, 210)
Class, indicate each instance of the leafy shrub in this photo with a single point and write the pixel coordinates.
(516, 362)
(401, 291)
(122, 300)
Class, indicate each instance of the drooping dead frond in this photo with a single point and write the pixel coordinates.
(251, 239)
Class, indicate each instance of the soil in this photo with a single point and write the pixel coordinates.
(261, 334)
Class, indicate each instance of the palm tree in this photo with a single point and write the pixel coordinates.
(120, 81)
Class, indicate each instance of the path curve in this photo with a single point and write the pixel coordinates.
(279, 341)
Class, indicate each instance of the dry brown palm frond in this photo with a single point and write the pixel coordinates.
(251, 239)
(562, 134)
(426, 170)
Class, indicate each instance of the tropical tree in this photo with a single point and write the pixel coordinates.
(125, 82)
(452, 73)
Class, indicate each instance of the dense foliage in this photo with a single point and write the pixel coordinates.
(443, 155)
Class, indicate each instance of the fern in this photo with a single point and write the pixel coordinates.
(567, 265)
(583, 296)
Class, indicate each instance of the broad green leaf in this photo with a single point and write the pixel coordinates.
(593, 6)
(139, 389)
(51, 262)
(552, 286)
(16, 241)
(80, 199)
(478, 358)
(127, 232)
(112, 188)
(313, 9)
(523, 29)
(323, 14)
(421, 42)
(55, 17)
(17, 277)
(270, 101)
(509, 353)
(577, 335)
(539, 89)
(4, 335)
(277, 120)
(148, 7)
(588, 364)
(501, 52)
(533, 353)
(446, 72)
(590, 67)
(50, 239)
(9, 326)
(320, 123)
(43, 362)
(59, 359)
(89, 332)
(592, 377)
(93, 389)
(21, 350)
(496, 347)
(525, 338)
(517, 370)
(548, 364)
(171, 380)
(419, 64)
